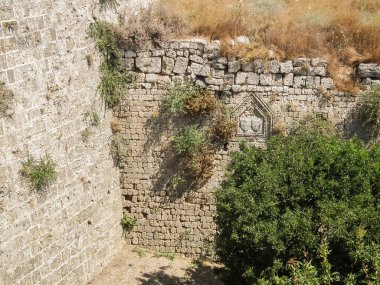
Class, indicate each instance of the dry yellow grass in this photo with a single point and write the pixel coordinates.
(343, 31)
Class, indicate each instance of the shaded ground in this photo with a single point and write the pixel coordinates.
(136, 266)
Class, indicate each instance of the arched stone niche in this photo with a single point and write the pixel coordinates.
(254, 118)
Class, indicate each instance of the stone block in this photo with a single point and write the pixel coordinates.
(288, 79)
(258, 66)
(167, 65)
(318, 62)
(201, 69)
(266, 79)
(149, 64)
(233, 66)
(286, 66)
(253, 78)
(241, 78)
(369, 70)
(327, 83)
(274, 66)
(299, 81)
(247, 66)
(180, 65)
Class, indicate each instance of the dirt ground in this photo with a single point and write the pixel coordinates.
(137, 266)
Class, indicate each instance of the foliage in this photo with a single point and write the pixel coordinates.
(92, 117)
(168, 255)
(370, 109)
(189, 141)
(128, 223)
(6, 97)
(223, 127)
(307, 205)
(117, 148)
(114, 77)
(210, 125)
(178, 181)
(40, 173)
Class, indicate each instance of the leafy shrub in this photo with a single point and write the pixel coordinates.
(189, 141)
(223, 128)
(6, 97)
(370, 109)
(128, 223)
(40, 173)
(114, 77)
(177, 97)
(201, 165)
(280, 204)
(178, 181)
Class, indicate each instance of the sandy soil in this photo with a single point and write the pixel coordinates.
(137, 266)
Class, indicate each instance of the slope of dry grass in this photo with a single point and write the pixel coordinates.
(345, 32)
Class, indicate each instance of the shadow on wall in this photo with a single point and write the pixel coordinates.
(161, 130)
(202, 274)
(355, 126)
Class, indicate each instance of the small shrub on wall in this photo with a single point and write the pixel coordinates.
(305, 210)
(114, 78)
(40, 173)
(210, 126)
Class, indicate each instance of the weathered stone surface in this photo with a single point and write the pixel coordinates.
(258, 66)
(247, 66)
(233, 66)
(201, 69)
(241, 78)
(318, 62)
(288, 79)
(212, 50)
(286, 66)
(149, 64)
(327, 83)
(167, 65)
(274, 66)
(369, 70)
(266, 79)
(181, 64)
(253, 78)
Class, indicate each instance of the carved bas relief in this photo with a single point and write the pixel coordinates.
(254, 118)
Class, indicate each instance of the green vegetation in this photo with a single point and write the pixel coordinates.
(140, 252)
(168, 255)
(305, 210)
(189, 141)
(209, 127)
(114, 76)
(6, 97)
(178, 181)
(128, 223)
(370, 110)
(92, 117)
(40, 173)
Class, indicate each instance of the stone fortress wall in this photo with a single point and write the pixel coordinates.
(67, 233)
(265, 96)
(70, 231)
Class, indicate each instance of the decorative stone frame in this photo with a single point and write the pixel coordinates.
(254, 118)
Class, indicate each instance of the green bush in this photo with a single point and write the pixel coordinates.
(189, 141)
(40, 173)
(128, 223)
(177, 97)
(278, 206)
(114, 78)
(370, 109)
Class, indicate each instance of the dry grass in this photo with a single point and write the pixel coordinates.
(345, 32)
